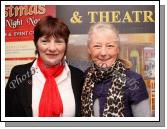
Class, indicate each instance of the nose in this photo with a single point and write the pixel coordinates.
(103, 51)
(52, 47)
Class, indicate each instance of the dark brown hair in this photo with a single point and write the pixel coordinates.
(50, 26)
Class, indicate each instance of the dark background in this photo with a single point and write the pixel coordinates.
(65, 12)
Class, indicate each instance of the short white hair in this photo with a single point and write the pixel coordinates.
(102, 26)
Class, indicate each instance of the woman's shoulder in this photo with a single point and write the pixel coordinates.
(131, 74)
(76, 73)
(22, 66)
(75, 69)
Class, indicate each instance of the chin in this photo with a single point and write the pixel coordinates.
(52, 63)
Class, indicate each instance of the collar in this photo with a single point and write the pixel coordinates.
(66, 72)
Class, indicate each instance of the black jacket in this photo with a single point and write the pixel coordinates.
(18, 91)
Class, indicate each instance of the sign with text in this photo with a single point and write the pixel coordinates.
(21, 19)
(127, 18)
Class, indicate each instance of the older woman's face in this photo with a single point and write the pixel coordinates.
(51, 50)
(103, 48)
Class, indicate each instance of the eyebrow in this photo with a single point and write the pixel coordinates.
(56, 39)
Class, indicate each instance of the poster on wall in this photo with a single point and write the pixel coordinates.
(21, 19)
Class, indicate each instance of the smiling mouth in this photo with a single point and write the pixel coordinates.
(51, 55)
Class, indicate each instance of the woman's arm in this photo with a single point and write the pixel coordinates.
(141, 109)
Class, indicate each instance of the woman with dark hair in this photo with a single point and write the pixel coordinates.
(48, 86)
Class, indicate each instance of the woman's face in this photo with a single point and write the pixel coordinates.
(103, 48)
(51, 50)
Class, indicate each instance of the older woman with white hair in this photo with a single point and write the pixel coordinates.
(111, 89)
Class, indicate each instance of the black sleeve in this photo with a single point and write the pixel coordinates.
(81, 76)
(11, 101)
(77, 84)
